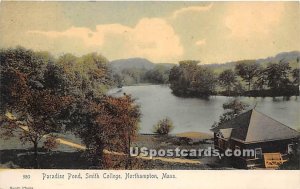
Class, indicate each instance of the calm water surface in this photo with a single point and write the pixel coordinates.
(192, 114)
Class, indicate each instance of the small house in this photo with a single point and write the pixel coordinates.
(269, 140)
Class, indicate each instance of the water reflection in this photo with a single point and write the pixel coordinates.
(193, 114)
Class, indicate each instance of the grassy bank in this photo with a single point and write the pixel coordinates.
(60, 159)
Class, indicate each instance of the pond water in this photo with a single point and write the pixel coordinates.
(194, 114)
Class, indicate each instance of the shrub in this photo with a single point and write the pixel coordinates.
(163, 127)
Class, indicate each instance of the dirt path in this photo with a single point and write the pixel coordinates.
(164, 159)
(170, 160)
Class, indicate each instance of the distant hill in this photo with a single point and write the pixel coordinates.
(138, 63)
(292, 57)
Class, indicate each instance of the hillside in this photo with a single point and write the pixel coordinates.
(139, 63)
(136, 63)
(292, 57)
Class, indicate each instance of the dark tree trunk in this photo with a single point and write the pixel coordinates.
(228, 90)
(35, 148)
(98, 155)
(100, 159)
(128, 164)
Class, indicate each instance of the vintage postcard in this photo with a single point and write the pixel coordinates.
(141, 93)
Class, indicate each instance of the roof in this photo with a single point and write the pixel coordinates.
(253, 126)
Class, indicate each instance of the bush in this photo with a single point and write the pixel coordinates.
(163, 127)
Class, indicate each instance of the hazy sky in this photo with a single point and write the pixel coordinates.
(159, 31)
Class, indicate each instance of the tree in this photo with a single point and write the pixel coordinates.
(261, 81)
(238, 88)
(29, 113)
(159, 74)
(232, 109)
(295, 75)
(41, 95)
(88, 75)
(177, 82)
(247, 70)
(278, 75)
(190, 79)
(25, 61)
(113, 123)
(163, 127)
(181, 76)
(133, 75)
(227, 79)
(204, 82)
(56, 79)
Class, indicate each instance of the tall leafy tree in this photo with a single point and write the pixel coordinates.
(278, 75)
(261, 81)
(190, 79)
(27, 111)
(227, 79)
(296, 77)
(204, 82)
(113, 123)
(232, 109)
(181, 76)
(88, 75)
(40, 95)
(247, 70)
(159, 74)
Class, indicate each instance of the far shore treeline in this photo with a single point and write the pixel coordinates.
(190, 78)
(247, 78)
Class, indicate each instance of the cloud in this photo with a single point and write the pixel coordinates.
(216, 32)
(155, 37)
(152, 38)
(249, 19)
(89, 37)
(178, 12)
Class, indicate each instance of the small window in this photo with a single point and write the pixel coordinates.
(258, 153)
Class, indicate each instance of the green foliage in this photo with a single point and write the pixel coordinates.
(296, 77)
(190, 79)
(247, 70)
(131, 76)
(158, 75)
(163, 127)
(88, 75)
(235, 106)
(41, 95)
(232, 109)
(30, 108)
(227, 80)
(277, 75)
(276, 79)
(106, 123)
